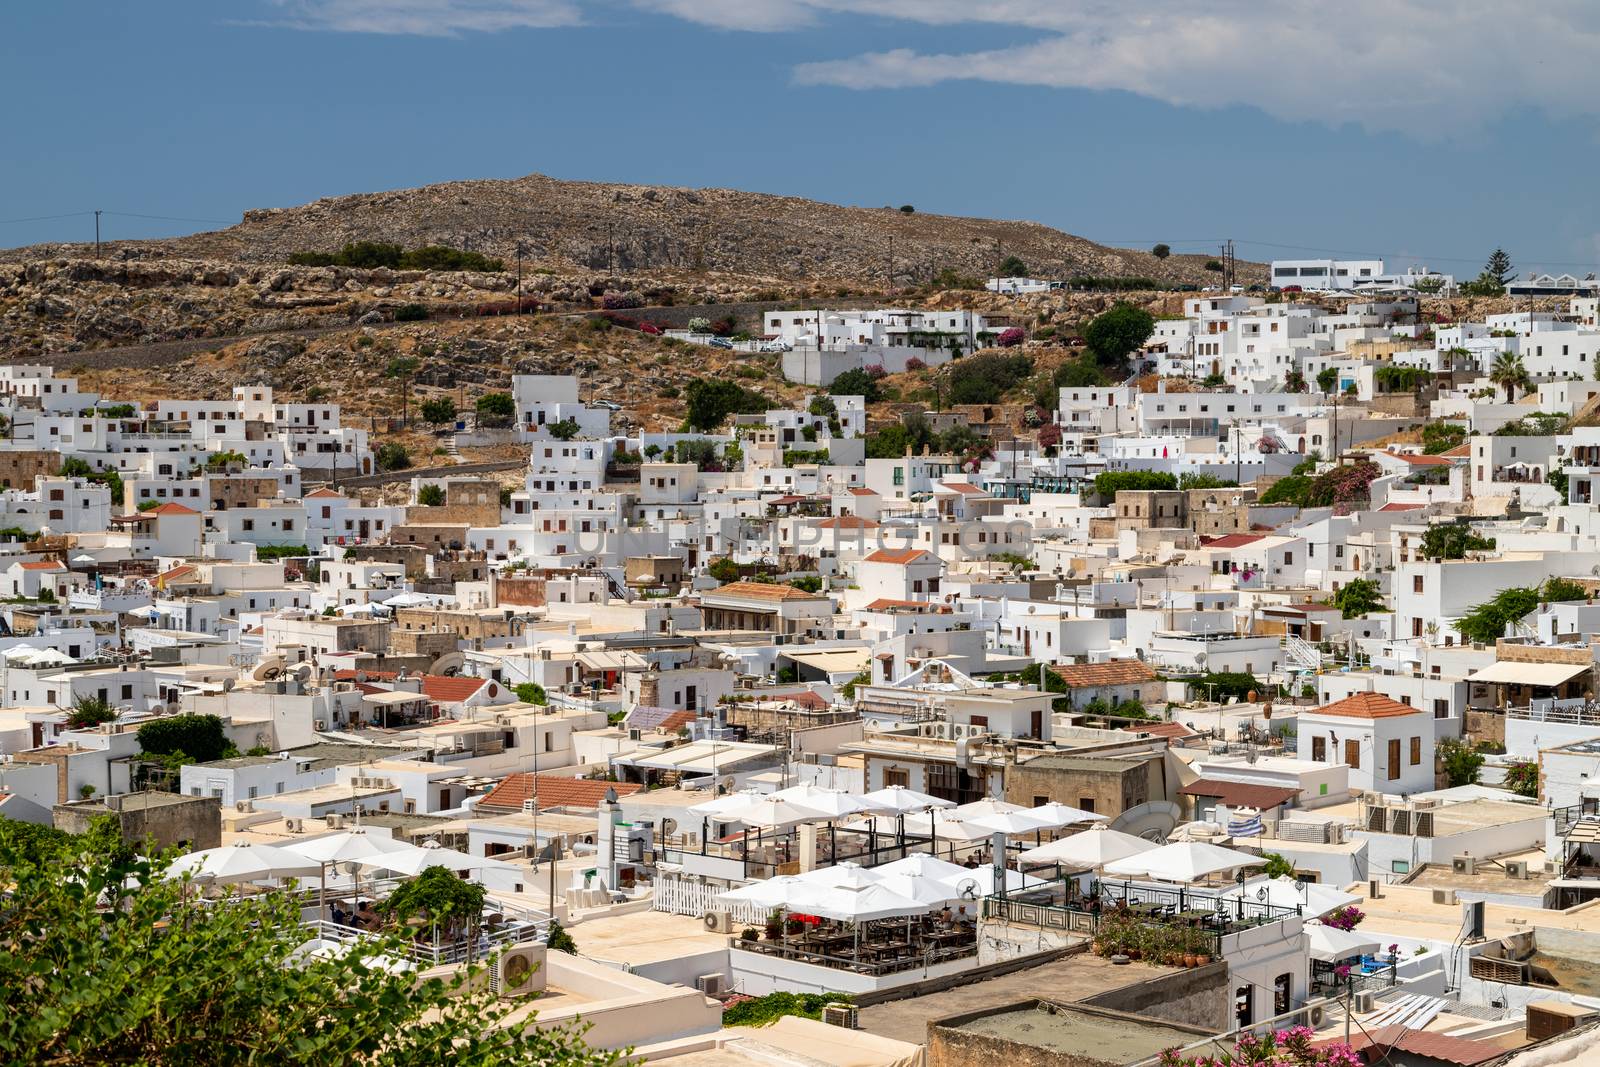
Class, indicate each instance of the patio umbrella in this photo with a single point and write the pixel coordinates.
(926, 866)
(770, 813)
(1061, 814)
(982, 809)
(859, 904)
(1285, 892)
(777, 892)
(348, 846)
(1330, 944)
(924, 889)
(242, 862)
(844, 875)
(1092, 849)
(1009, 823)
(835, 803)
(1182, 861)
(1014, 880)
(718, 807)
(418, 859)
(897, 799)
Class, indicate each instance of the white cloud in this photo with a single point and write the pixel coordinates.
(1425, 68)
(427, 18)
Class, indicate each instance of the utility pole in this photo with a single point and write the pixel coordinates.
(97, 232)
(891, 261)
(522, 247)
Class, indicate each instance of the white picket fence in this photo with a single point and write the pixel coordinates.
(680, 896)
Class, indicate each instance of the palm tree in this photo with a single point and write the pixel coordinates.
(1509, 372)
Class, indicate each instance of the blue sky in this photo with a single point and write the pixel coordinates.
(1435, 139)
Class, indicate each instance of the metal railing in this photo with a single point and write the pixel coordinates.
(427, 952)
(899, 959)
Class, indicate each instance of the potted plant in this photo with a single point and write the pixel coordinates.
(749, 933)
(774, 925)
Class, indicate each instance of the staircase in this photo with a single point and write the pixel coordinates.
(1302, 653)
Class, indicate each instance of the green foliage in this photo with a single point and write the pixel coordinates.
(1077, 373)
(1161, 251)
(1292, 489)
(855, 382)
(1117, 333)
(1440, 437)
(766, 1010)
(393, 457)
(1358, 597)
(950, 278)
(224, 984)
(788, 674)
(1345, 485)
(723, 570)
(1214, 265)
(199, 737)
(1509, 373)
(822, 405)
(1205, 481)
(1453, 541)
(711, 400)
(117, 411)
(984, 379)
(88, 712)
(1486, 622)
(266, 552)
(431, 496)
(1461, 761)
(531, 693)
(1557, 480)
(1109, 483)
(410, 313)
(848, 689)
(1089, 283)
(1536, 424)
(1220, 685)
(795, 456)
(1012, 267)
(565, 430)
(558, 940)
(1275, 866)
(372, 254)
(807, 583)
(1522, 778)
(1327, 378)
(218, 460)
(149, 505)
(496, 409)
(438, 410)
(437, 895)
(1499, 267)
(1397, 379)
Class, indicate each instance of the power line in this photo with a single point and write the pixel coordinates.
(47, 218)
(169, 218)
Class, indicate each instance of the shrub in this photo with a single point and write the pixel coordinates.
(984, 379)
(1522, 778)
(438, 410)
(531, 693)
(1161, 251)
(621, 301)
(431, 496)
(393, 457)
(1461, 761)
(1112, 336)
(711, 400)
(88, 712)
(199, 737)
(496, 409)
(1109, 483)
(1012, 267)
(1010, 337)
(723, 570)
(855, 383)
(410, 313)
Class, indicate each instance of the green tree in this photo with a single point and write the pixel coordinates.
(403, 369)
(90, 711)
(1453, 541)
(709, 402)
(1486, 622)
(224, 984)
(1214, 265)
(1205, 481)
(1509, 373)
(1079, 374)
(723, 570)
(393, 457)
(1327, 378)
(1275, 866)
(1462, 761)
(431, 495)
(1161, 251)
(1358, 597)
(565, 430)
(496, 409)
(1499, 267)
(1117, 333)
(855, 382)
(438, 896)
(1440, 437)
(200, 737)
(438, 410)
(1012, 267)
(1109, 483)
(531, 693)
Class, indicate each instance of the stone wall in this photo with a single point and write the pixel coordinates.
(1194, 997)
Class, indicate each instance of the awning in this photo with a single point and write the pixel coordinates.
(830, 661)
(1540, 674)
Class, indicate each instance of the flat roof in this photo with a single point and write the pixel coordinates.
(1069, 1031)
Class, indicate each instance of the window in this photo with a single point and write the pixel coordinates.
(1416, 751)
(1394, 759)
(1086, 803)
(1319, 751)
(896, 776)
(1282, 987)
(1416, 583)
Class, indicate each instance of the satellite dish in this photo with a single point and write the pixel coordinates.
(669, 827)
(968, 889)
(1200, 658)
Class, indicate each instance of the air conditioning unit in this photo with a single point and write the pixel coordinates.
(718, 922)
(1444, 896)
(335, 822)
(843, 1015)
(293, 826)
(320, 725)
(710, 984)
(1463, 864)
(1516, 868)
(1335, 833)
(530, 807)
(519, 971)
(1366, 1000)
(243, 807)
(1313, 1016)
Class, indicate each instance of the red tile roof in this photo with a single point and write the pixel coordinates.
(323, 494)
(551, 792)
(963, 487)
(904, 555)
(1400, 507)
(762, 591)
(169, 508)
(1366, 706)
(44, 565)
(847, 522)
(1095, 675)
(1231, 541)
(444, 689)
(856, 490)
(888, 604)
(1160, 729)
(1418, 461)
(1239, 794)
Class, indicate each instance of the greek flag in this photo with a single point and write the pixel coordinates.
(1244, 825)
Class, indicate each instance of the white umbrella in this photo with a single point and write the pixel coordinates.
(775, 892)
(1061, 814)
(1285, 892)
(923, 888)
(1093, 848)
(939, 825)
(844, 875)
(857, 904)
(718, 807)
(833, 802)
(898, 800)
(242, 862)
(1330, 944)
(768, 812)
(1182, 861)
(1010, 822)
(1015, 880)
(346, 846)
(927, 866)
(985, 808)
(416, 860)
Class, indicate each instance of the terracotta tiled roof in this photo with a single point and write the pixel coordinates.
(1418, 460)
(169, 508)
(966, 488)
(904, 555)
(762, 591)
(551, 792)
(1461, 450)
(847, 522)
(856, 490)
(44, 565)
(888, 604)
(323, 494)
(807, 699)
(1232, 541)
(1160, 729)
(1239, 794)
(677, 721)
(1096, 675)
(1400, 507)
(1366, 706)
(442, 688)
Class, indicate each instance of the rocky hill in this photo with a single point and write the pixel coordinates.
(641, 228)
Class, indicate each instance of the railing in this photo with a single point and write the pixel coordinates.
(429, 953)
(892, 959)
(1568, 817)
(1302, 652)
(679, 896)
(1575, 713)
(1044, 916)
